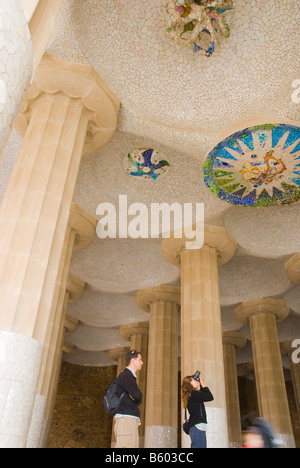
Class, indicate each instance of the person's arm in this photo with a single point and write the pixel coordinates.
(204, 395)
(128, 383)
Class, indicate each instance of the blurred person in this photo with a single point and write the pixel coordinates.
(258, 433)
(194, 394)
(252, 438)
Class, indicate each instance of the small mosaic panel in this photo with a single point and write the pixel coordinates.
(146, 163)
(258, 166)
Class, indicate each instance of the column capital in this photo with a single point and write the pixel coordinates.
(116, 353)
(292, 268)
(286, 347)
(70, 324)
(78, 81)
(131, 329)
(68, 348)
(216, 237)
(75, 288)
(276, 307)
(85, 226)
(157, 293)
(234, 338)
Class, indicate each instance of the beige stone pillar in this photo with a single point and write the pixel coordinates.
(119, 355)
(271, 390)
(74, 291)
(81, 232)
(162, 371)
(138, 333)
(292, 268)
(201, 329)
(68, 110)
(231, 341)
(287, 349)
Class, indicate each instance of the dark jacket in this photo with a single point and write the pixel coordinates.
(196, 406)
(129, 406)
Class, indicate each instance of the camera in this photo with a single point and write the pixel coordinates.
(196, 376)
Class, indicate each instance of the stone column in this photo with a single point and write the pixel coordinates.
(137, 334)
(68, 110)
(162, 371)
(287, 349)
(48, 383)
(271, 390)
(81, 232)
(231, 341)
(201, 329)
(117, 354)
(292, 268)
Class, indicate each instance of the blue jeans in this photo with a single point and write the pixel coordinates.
(198, 438)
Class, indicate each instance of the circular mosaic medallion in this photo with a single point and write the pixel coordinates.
(146, 163)
(258, 166)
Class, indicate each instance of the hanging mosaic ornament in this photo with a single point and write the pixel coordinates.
(146, 163)
(198, 23)
(258, 166)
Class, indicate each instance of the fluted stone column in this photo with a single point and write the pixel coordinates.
(70, 326)
(81, 232)
(162, 371)
(201, 329)
(231, 341)
(287, 349)
(138, 333)
(119, 355)
(292, 268)
(68, 110)
(74, 291)
(273, 405)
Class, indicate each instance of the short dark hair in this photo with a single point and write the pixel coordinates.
(132, 354)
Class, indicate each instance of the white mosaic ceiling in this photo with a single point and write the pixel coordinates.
(180, 104)
(172, 93)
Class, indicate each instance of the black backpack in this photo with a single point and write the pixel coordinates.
(111, 400)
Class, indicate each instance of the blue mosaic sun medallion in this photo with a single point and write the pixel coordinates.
(258, 166)
(146, 163)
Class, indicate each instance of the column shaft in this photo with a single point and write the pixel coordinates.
(271, 390)
(34, 217)
(295, 371)
(162, 376)
(232, 340)
(61, 117)
(201, 334)
(35, 211)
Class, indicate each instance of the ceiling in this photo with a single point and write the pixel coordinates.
(181, 104)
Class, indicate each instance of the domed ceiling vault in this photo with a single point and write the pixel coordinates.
(176, 106)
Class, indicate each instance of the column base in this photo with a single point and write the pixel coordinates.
(20, 361)
(217, 429)
(36, 426)
(160, 437)
(286, 440)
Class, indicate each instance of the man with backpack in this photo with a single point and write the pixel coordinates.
(127, 418)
